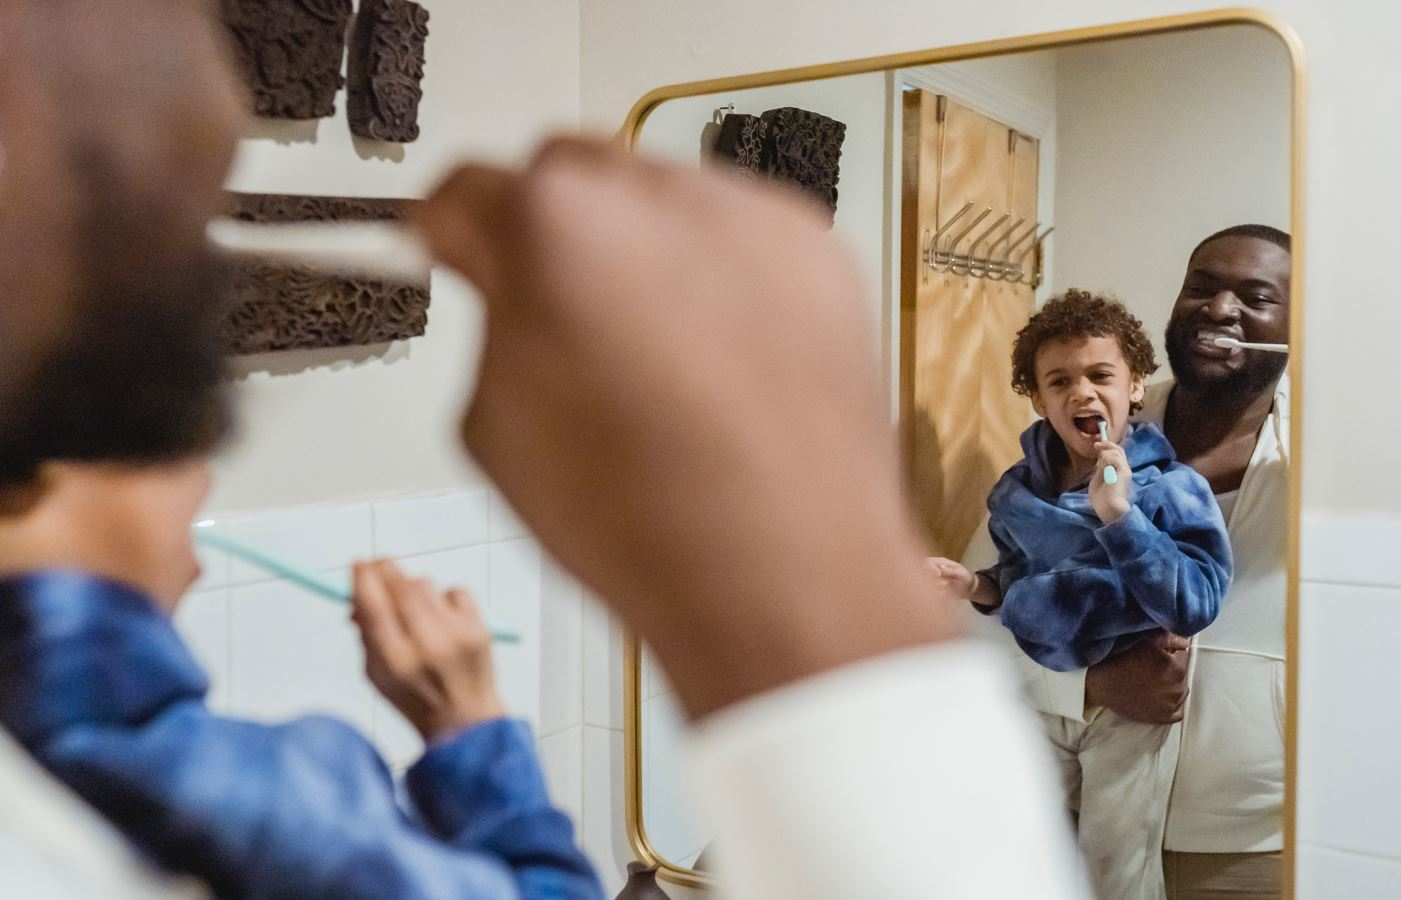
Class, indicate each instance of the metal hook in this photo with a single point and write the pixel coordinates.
(973, 247)
(1001, 269)
(958, 239)
(931, 251)
(1012, 248)
(718, 116)
(1036, 245)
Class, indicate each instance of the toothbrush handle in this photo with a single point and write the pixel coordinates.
(310, 581)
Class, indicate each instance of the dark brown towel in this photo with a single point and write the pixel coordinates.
(805, 149)
(282, 307)
(290, 53)
(791, 145)
(386, 70)
(741, 142)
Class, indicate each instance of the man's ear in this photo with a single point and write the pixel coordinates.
(1037, 405)
(1137, 390)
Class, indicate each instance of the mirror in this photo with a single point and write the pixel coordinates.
(974, 185)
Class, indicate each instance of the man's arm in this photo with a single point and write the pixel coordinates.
(709, 448)
(731, 488)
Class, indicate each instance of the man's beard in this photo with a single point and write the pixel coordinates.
(1260, 372)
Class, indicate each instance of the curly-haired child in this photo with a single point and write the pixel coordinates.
(1090, 564)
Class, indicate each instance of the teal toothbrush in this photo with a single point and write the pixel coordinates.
(316, 584)
(1110, 476)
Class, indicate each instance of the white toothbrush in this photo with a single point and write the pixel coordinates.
(1110, 476)
(1247, 345)
(311, 581)
(376, 249)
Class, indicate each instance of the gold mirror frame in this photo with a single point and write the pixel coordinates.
(632, 128)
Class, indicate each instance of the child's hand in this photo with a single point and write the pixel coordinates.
(955, 579)
(426, 650)
(1110, 501)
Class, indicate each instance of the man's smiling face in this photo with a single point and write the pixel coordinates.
(1236, 286)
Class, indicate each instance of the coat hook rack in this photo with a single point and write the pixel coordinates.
(1004, 259)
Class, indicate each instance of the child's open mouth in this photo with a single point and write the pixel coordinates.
(1089, 424)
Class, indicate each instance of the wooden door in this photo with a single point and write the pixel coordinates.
(961, 419)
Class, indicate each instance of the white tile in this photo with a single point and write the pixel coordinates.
(504, 524)
(398, 741)
(469, 568)
(666, 812)
(603, 667)
(426, 524)
(1349, 735)
(604, 831)
(314, 539)
(562, 757)
(561, 651)
(294, 653)
(202, 619)
(1350, 549)
(1325, 874)
(514, 602)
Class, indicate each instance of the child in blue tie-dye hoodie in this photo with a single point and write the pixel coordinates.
(1089, 565)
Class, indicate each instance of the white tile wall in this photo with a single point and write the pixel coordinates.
(671, 825)
(1338, 875)
(562, 756)
(1349, 800)
(292, 653)
(424, 524)
(603, 668)
(514, 601)
(605, 837)
(317, 538)
(561, 651)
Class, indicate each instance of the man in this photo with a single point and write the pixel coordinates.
(728, 481)
(1226, 412)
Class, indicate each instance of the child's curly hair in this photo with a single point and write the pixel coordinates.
(1080, 314)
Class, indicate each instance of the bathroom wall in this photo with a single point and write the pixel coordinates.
(1349, 821)
(1141, 126)
(326, 426)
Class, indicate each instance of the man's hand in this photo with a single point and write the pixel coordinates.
(1147, 683)
(680, 394)
(427, 651)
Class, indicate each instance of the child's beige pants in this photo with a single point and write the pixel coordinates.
(1118, 774)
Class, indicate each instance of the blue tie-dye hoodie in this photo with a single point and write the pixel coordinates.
(97, 685)
(1075, 590)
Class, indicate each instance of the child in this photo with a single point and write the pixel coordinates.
(102, 469)
(1089, 565)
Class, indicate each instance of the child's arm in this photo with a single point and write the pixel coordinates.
(110, 701)
(1172, 552)
(960, 583)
